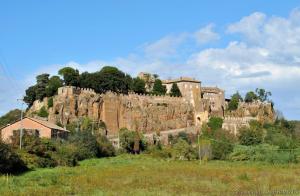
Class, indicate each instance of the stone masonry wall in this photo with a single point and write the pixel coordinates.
(135, 112)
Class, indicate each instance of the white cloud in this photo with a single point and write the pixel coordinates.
(267, 55)
(206, 34)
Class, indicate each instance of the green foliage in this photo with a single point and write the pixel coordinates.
(105, 147)
(54, 83)
(43, 112)
(215, 123)
(10, 117)
(250, 97)
(175, 91)
(252, 135)
(183, 151)
(30, 96)
(132, 141)
(158, 88)
(70, 76)
(222, 141)
(262, 94)
(262, 152)
(50, 102)
(86, 143)
(41, 84)
(234, 102)
(112, 79)
(10, 162)
(138, 85)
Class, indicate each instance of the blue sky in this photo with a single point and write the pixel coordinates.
(236, 45)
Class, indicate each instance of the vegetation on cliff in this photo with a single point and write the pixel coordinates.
(107, 79)
(10, 117)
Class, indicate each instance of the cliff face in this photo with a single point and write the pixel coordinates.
(260, 111)
(135, 112)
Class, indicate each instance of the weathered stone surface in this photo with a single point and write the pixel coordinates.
(135, 112)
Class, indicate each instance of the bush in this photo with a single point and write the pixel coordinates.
(50, 102)
(10, 162)
(105, 147)
(183, 151)
(264, 153)
(86, 143)
(215, 123)
(252, 135)
(132, 141)
(43, 112)
(221, 142)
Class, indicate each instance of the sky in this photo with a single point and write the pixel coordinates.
(235, 45)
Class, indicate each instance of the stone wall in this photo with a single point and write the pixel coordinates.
(136, 112)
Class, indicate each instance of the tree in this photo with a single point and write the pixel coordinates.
(87, 80)
(158, 88)
(54, 83)
(138, 85)
(41, 84)
(252, 135)
(234, 102)
(262, 94)
(250, 97)
(10, 162)
(70, 75)
(30, 96)
(10, 117)
(175, 91)
(215, 123)
(111, 79)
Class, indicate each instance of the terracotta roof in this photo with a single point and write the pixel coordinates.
(47, 124)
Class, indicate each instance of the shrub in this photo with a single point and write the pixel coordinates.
(183, 151)
(10, 162)
(105, 147)
(221, 142)
(86, 143)
(264, 153)
(215, 123)
(43, 112)
(50, 102)
(132, 141)
(252, 135)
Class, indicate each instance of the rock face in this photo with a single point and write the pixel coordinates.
(135, 112)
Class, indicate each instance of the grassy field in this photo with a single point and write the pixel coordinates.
(143, 175)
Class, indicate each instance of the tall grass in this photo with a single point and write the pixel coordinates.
(143, 175)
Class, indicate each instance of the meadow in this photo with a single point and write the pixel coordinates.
(144, 175)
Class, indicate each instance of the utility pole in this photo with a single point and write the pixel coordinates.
(21, 123)
(199, 148)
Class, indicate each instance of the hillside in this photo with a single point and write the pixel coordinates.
(143, 175)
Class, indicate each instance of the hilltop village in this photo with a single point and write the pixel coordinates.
(149, 113)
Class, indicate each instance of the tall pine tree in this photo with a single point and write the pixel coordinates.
(175, 91)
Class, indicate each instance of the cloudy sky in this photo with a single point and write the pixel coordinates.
(235, 45)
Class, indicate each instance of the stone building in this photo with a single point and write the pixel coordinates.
(214, 100)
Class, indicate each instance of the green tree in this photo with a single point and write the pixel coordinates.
(30, 96)
(263, 95)
(234, 102)
(215, 123)
(41, 84)
(138, 85)
(111, 79)
(250, 97)
(88, 80)
(132, 141)
(10, 162)
(175, 91)
(54, 83)
(252, 135)
(159, 88)
(70, 75)
(10, 117)
(43, 112)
